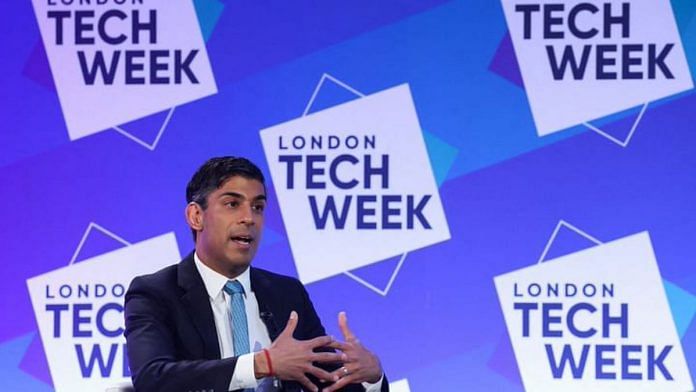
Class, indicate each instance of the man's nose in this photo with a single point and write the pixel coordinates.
(247, 216)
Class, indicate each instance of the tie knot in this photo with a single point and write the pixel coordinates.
(233, 287)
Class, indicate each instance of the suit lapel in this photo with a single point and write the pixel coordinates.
(273, 315)
(197, 304)
(268, 305)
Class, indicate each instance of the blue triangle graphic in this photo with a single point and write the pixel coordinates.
(683, 306)
(684, 11)
(146, 128)
(97, 243)
(379, 273)
(13, 377)
(442, 156)
(566, 242)
(208, 12)
(331, 94)
(618, 124)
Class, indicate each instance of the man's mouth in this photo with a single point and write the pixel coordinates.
(245, 240)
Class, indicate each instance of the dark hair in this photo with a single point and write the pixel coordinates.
(214, 173)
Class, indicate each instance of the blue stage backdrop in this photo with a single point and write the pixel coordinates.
(500, 194)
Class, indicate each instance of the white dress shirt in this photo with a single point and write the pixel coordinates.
(243, 376)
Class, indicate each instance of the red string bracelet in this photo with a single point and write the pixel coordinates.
(268, 360)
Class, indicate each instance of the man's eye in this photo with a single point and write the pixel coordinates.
(259, 207)
(233, 204)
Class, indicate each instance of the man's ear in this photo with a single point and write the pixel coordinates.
(194, 216)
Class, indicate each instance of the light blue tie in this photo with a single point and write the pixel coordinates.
(240, 329)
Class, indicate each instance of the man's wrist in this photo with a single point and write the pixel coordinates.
(375, 380)
(261, 368)
(374, 386)
(379, 374)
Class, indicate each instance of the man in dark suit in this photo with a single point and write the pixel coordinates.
(213, 323)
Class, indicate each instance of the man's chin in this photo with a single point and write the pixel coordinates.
(239, 263)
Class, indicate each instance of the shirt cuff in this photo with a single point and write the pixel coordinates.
(376, 387)
(243, 375)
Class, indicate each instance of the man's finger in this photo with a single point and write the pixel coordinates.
(339, 384)
(327, 357)
(307, 384)
(343, 325)
(290, 327)
(321, 374)
(321, 341)
(338, 345)
(342, 372)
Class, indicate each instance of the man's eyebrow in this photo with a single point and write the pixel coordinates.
(240, 196)
(233, 194)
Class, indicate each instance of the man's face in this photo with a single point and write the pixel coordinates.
(231, 225)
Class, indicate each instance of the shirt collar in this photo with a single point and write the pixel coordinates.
(215, 281)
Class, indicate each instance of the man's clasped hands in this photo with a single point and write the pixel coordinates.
(291, 359)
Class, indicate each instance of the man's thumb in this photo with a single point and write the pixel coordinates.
(292, 324)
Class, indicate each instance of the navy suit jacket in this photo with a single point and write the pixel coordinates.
(170, 328)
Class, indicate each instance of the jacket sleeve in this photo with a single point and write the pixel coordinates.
(152, 349)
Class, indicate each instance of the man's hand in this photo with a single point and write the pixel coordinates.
(359, 364)
(292, 359)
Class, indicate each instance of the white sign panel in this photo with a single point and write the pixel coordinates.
(355, 184)
(79, 310)
(583, 60)
(114, 62)
(596, 320)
